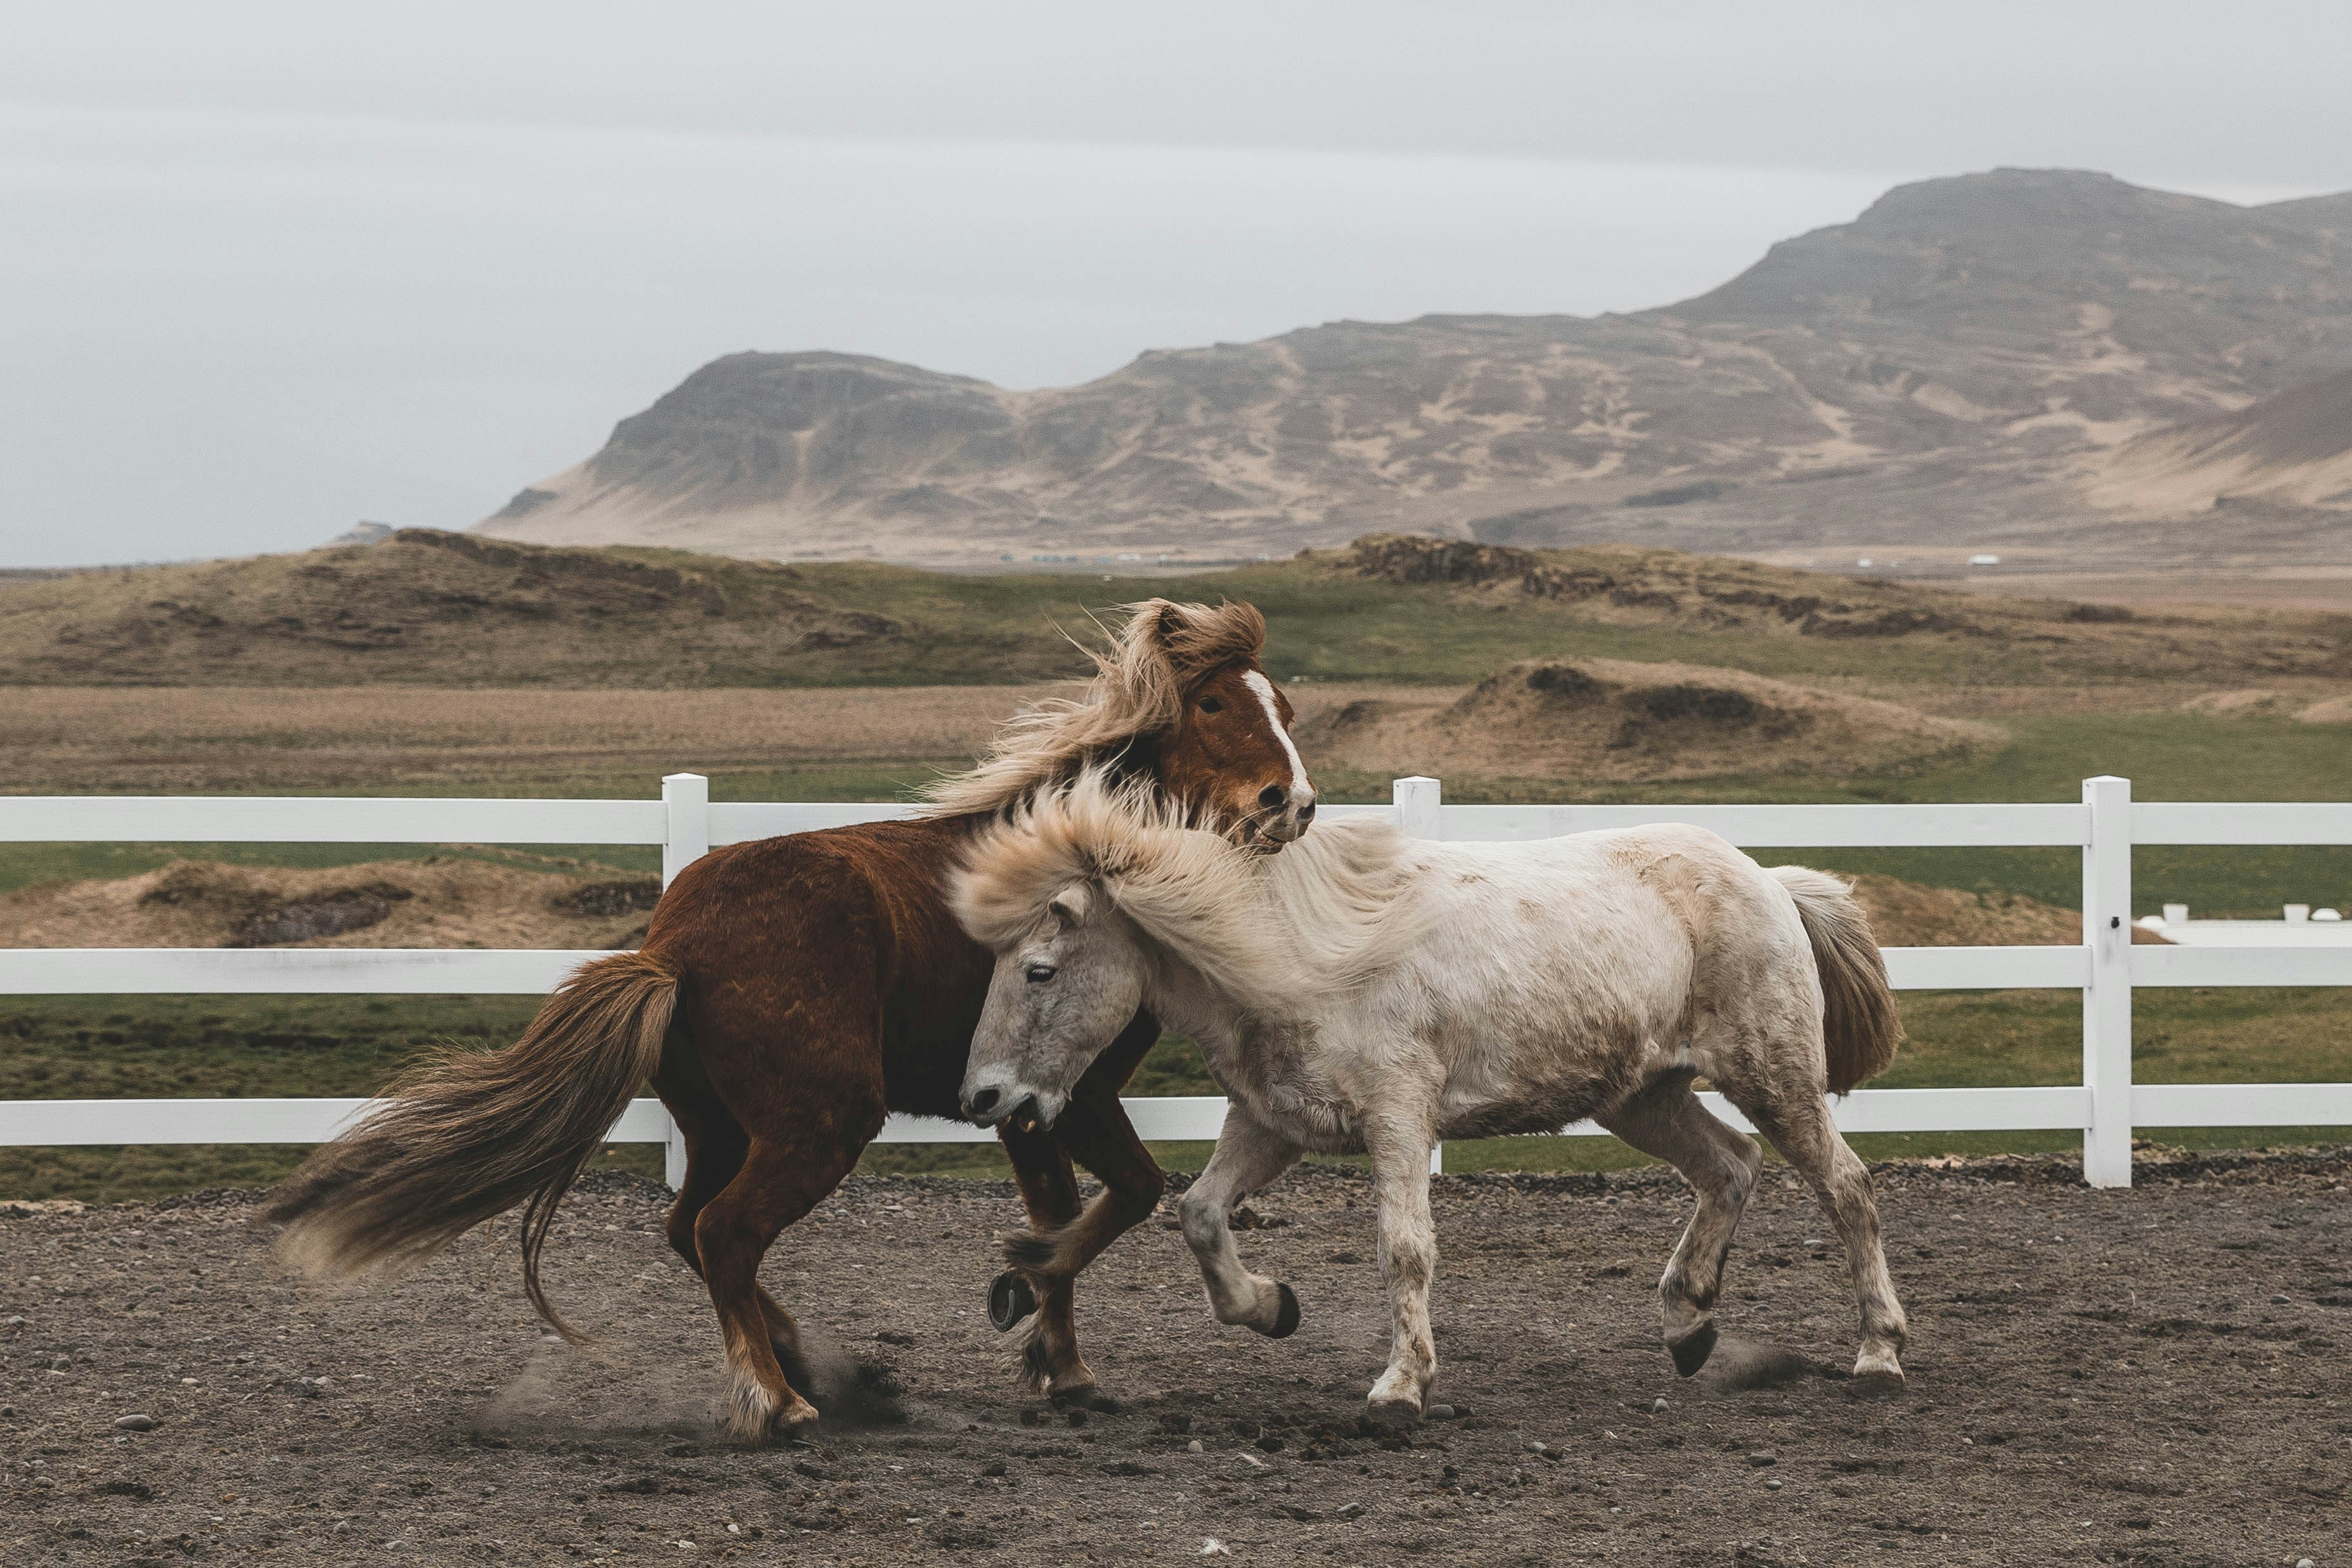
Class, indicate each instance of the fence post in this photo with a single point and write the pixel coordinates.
(1420, 801)
(687, 798)
(2107, 998)
(684, 840)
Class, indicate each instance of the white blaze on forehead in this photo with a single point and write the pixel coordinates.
(1257, 682)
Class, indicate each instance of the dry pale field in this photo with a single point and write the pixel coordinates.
(247, 737)
(454, 902)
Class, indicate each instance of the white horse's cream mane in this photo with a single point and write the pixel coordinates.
(1281, 933)
(1138, 690)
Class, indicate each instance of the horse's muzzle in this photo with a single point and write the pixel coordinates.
(990, 1107)
(1271, 833)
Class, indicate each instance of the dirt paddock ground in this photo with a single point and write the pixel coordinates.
(2162, 1377)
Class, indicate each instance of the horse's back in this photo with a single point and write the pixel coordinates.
(1624, 932)
(831, 953)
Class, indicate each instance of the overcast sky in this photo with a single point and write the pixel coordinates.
(268, 269)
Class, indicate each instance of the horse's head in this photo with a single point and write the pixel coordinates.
(1063, 990)
(1222, 750)
(1178, 697)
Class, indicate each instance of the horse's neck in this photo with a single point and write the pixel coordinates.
(1285, 943)
(1244, 1050)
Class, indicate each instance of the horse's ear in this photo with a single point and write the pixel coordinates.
(1167, 622)
(1070, 905)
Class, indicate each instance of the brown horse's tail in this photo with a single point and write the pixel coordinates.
(1859, 1021)
(469, 1134)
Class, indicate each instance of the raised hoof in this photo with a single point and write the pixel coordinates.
(1690, 1352)
(1392, 1414)
(1010, 1299)
(1285, 1318)
(1086, 1397)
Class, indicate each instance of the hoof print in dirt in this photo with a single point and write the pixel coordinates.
(1876, 1385)
(1010, 1300)
(1739, 1365)
(1086, 1398)
(870, 1395)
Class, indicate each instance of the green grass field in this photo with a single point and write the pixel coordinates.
(173, 1046)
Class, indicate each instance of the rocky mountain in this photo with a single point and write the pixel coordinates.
(1957, 369)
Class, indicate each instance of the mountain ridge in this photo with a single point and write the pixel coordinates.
(1938, 372)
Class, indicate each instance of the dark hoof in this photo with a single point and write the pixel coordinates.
(1690, 1352)
(1285, 1319)
(1390, 1414)
(1010, 1299)
(1088, 1397)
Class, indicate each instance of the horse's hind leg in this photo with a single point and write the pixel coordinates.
(1799, 1127)
(1666, 1121)
(716, 1145)
(779, 1182)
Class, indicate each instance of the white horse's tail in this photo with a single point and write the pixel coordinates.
(1859, 1022)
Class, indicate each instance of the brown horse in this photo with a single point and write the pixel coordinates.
(791, 991)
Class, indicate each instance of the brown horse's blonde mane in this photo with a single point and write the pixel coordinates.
(1138, 690)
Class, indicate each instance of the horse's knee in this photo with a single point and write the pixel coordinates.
(1409, 1258)
(678, 1229)
(1134, 1205)
(1201, 1218)
(1746, 1168)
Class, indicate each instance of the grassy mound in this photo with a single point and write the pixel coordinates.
(1599, 719)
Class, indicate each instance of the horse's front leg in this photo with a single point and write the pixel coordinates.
(1062, 1240)
(1249, 1157)
(1399, 1140)
(1050, 1362)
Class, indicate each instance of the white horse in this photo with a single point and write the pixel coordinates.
(1366, 992)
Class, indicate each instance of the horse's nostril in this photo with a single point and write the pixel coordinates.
(984, 1101)
(1272, 796)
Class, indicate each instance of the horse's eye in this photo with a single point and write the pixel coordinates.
(1040, 972)
(1212, 705)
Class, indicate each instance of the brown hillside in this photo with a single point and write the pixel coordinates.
(1912, 914)
(2295, 447)
(1744, 600)
(391, 903)
(1611, 720)
(426, 609)
(422, 605)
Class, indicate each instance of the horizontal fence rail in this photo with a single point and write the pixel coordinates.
(2104, 967)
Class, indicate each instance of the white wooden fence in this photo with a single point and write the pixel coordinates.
(2104, 1106)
